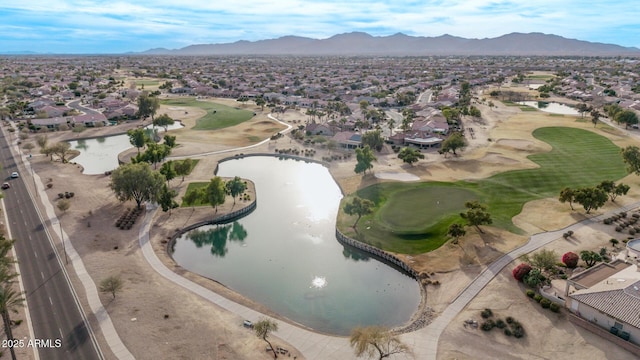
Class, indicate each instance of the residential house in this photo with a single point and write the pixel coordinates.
(608, 295)
(319, 129)
(348, 139)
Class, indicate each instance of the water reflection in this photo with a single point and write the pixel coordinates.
(82, 145)
(217, 237)
(352, 253)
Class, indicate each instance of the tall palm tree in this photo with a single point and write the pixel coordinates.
(10, 300)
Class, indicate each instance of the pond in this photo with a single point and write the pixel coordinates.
(100, 154)
(551, 107)
(285, 254)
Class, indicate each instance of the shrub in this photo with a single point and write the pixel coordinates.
(545, 303)
(486, 313)
(510, 320)
(537, 297)
(521, 271)
(508, 332)
(618, 228)
(518, 332)
(635, 215)
(632, 231)
(488, 325)
(500, 324)
(554, 307)
(607, 221)
(530, 293)
(570, 259)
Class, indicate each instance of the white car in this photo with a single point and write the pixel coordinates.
(14, 175)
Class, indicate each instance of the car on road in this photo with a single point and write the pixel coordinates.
(5, 185)
(14, 175)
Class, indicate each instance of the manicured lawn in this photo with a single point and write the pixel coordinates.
(218, 116)
(406, 221)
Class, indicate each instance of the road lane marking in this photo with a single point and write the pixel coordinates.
(61, 336)
(50, 301)
(42, 274)
(36, 254)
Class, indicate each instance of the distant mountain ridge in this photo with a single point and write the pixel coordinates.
(359, 43)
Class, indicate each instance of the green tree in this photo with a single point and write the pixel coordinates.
(373, 139)
(192, 196)
(112, 284)
(476, 215)
(544, 260)
(590, 257)
(614, 190)
(183, 167)
(410, 155)
(591, 198)
(164, 121)
(167, 169)
(154, 154)
(627, 117)
(263, 329)
(147, 106)
(407, 119)
(216, 192)
(360, 207)
(166, 199)
(454, 142)
(62, 149)
(137, 182)
(534, 278)
(567, 195)
(235, 187)
(376, 341)
(260, 101)
(583, 108)
(137, 138)
(391, 124)
(170, 141)
(456, 231)
(595, 116)
(364, 159)
(631, 156)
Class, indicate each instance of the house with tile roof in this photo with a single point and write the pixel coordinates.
(608, 295)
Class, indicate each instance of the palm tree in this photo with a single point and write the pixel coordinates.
(10, 300)
(391, 123)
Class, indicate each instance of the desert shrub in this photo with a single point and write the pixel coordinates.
(607, 221)
(507, 332)
(635, 215)
(632, 231)
(554, 307)
(518, 332)
(618, 228)
(530, 293)
(570, 259)
(486, 313)
(565, 235)
(623, 214)
(520, 271)
(500, 324)
(510, 320)
(537, 297)
(570, 232)
(488, 325)
(545, 303)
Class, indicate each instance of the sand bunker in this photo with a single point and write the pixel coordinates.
(398, 176)
(517, 144)
(495, 158)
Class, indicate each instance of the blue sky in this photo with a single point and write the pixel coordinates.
(118, 26)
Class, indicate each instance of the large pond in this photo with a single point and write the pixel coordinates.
(100, 154)
(551, 107)
(285, 254)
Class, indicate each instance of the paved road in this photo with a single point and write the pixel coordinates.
(55, 314)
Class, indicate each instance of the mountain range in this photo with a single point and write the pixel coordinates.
(359, 43)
